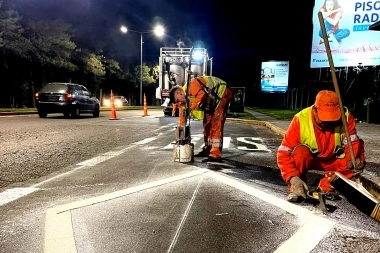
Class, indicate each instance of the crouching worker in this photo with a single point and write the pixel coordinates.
(209, 100)
(316, 140)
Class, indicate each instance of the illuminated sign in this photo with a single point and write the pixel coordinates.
(274, 76)
(350, 41)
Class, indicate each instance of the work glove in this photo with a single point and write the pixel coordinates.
(359, 165)
(299, 187)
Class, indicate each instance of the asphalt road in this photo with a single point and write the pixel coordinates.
(100, 185)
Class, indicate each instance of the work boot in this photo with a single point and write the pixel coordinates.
(211, 159)
(203, 153)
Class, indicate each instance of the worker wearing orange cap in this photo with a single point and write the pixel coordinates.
(211, 95)
(316, 140)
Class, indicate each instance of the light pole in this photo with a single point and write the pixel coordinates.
(158, 31)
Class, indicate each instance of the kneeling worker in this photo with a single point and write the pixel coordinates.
(211, 95)
(316, 140)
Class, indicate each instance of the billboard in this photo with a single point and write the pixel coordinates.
(350, 41)
(274, 76)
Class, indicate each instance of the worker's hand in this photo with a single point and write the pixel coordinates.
(299, 187)
(359, 165)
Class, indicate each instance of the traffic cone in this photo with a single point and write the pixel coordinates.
(145, 107)
(113, 109)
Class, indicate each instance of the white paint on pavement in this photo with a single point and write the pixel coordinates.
(184, 217)
(308, 236)
(311, 224)
(145, 141)
(59, 234)
(61, 237)
(251, 141)
(101, 158)
(15, 193)
(226, 142)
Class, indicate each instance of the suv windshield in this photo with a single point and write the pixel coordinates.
(55, 87)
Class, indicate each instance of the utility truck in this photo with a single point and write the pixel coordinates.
(174, 69)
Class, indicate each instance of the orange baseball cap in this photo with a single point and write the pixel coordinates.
(327, 105)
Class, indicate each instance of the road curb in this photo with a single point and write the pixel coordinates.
(15, 113)
(276, 129)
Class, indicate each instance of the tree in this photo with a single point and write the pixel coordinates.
(52, 39)
(150, 77)
(149, 74)
(12, 39)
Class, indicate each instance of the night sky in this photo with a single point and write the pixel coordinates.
(237, 34)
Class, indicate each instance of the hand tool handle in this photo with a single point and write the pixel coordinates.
(336, 86)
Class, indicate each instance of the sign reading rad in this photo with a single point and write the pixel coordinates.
(347, 23)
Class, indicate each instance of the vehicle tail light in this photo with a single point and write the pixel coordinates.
(37, 95)
(69, 96)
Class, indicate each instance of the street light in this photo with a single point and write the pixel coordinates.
(158, 31)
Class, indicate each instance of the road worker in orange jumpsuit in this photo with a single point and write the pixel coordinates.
(209, 98)
(316, 140)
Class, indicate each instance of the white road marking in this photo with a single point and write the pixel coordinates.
(59, 234)
(185, 216)
(242, 143)
(311, 224)
(254, 141)
(101, 158)
(145, 141)
(89, 163)
(15, 193)
(226, 142)
(316, 226)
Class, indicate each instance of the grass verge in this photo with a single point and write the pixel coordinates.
(280, 114)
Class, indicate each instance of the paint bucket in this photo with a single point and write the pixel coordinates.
(183, 153)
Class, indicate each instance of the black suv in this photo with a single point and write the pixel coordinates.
(67, 98)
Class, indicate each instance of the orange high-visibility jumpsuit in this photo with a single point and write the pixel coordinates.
(214, 118)
(295, 159)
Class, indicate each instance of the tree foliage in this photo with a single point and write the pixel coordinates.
(52, 41)
(12, 40)
(34, 52)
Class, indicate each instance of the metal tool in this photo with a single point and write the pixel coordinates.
(320, 197)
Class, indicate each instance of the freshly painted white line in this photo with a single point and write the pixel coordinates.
(101, 158)
(59, 235)
(91, 162)
(145, 141)
(311, 224)
(124, 192)
(308, 236)
(15, 193)
(169, 146)
(58, 238)
(185, 216)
